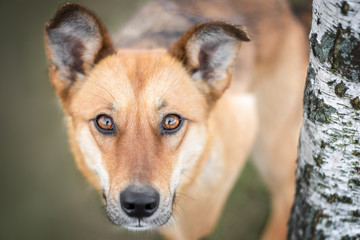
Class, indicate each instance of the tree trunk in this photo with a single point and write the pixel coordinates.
(327, 201)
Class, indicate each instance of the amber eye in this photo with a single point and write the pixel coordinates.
(105, 124)
(171, 123)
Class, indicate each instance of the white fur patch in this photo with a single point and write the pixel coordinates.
(194, 144)
(92, 156)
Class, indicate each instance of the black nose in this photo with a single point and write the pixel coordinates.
(139, 201)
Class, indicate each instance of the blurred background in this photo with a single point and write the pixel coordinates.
(43, 196)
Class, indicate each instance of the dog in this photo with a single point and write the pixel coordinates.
(177, 108)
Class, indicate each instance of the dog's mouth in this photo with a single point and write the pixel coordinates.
(137, 224)
(143, 224)
(138, 227)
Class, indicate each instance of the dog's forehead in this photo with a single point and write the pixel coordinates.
(147, 79)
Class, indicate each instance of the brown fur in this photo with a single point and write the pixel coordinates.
(137, 88)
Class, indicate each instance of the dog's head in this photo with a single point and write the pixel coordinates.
(138, 120)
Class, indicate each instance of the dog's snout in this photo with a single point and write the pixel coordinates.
(139, 201)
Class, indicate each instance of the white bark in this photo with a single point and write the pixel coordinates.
(327, 202)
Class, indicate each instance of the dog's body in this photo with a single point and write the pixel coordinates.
(119, 105)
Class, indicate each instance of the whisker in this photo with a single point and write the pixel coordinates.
(184, 196)
(105, 89)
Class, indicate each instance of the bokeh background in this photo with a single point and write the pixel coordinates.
(43, 196)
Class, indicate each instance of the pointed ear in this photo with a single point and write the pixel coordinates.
(208, 51)
(75, 40)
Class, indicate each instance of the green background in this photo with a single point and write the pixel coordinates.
(43, 196)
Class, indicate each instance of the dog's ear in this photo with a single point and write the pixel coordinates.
(75, 40)
(208, 51)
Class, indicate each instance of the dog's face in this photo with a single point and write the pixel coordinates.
(138, 120)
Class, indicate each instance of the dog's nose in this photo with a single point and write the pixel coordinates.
(139, 201)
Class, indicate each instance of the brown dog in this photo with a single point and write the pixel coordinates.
(145, 123)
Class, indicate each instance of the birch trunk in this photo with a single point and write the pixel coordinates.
(327, 201)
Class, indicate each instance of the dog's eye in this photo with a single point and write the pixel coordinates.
(105, 124)
(171, 123)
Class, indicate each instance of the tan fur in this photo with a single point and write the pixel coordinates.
(260, 112)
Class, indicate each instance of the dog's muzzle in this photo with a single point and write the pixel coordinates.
(139, 207)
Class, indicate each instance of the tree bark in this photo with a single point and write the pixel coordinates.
(327, 201)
